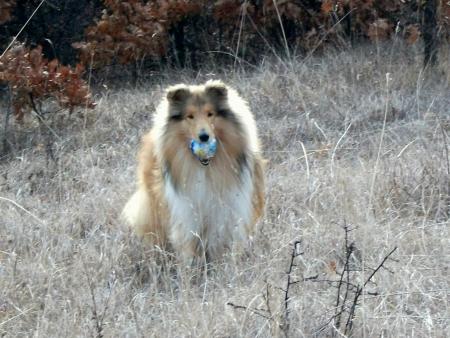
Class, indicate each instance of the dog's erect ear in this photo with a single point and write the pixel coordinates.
(216, 90)
(178, 94)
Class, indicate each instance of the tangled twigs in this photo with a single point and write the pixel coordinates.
(349, 248)
(351, 315)
(284, 311)
(349, 291)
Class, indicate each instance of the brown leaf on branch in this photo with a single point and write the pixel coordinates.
(327, 6)
(6, 7)
(381, 29)
(412, 34)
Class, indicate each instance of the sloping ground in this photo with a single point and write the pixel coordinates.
(348, 146)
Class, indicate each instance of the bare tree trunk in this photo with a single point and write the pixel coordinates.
(429, 32)
(135, 73)
(6, 147)
(179, 47)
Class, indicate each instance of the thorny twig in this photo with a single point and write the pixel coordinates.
(349, 324)
(289, 282)
(99, 320)
(349, 248)
(348, 302)
(267, 313)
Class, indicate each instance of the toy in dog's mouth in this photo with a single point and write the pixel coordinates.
(203, 151)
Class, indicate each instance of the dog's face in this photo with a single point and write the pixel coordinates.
(200, 121)
(196, 111)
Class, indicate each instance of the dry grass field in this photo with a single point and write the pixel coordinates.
(356, 139)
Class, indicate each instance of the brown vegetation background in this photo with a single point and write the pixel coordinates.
(356, 236)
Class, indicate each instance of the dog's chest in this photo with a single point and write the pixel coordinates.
(202, 208)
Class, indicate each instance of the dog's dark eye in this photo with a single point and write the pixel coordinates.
(210, 114)
(190, 117)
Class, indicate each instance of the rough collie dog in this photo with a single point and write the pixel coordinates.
(200, 173)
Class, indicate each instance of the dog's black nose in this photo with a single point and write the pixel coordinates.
(204, 137)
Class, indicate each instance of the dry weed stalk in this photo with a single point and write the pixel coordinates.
(267, 313)
(99, 319)
(295, 253)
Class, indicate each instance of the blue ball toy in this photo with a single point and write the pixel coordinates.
(204, 151)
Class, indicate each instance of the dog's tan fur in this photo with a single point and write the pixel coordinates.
(167, 170)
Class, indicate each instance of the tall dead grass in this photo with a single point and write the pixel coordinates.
(69, 268)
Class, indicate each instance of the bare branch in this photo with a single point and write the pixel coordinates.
(289, 282)
(252, 310)
(351, 316)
